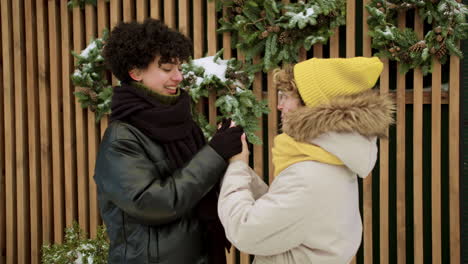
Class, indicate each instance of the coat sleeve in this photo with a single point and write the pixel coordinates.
(136, 185)
(270, 225)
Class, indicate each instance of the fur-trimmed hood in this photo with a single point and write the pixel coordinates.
(347, 127)
(367, 113)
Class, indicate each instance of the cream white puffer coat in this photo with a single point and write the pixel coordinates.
(310, 213)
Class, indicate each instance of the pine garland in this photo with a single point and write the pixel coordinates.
(448, 20)
(230, 80)
(92, 88)
(77, 248)
(275, 31)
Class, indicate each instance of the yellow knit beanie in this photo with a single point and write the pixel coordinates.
(319, 80)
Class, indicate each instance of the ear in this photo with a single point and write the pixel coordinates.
(136, 74)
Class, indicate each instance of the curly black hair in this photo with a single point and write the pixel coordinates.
(135, 45)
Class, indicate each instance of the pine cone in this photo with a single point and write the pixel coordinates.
(405, 57)
(442, 51)
(450, 31)
(392, 50)
(418, 47)
(433, 50)
(239, 2)
(93, 96)
(271, 29)
(439, 38)
(230, 73)
(284, 38)
(83, 90)
(438, 30)
(264, 34)
(238, 9)
(322, 20)
(382, 10)
(93, 108)
(243, 77)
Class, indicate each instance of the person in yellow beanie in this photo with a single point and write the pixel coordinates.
(331, 119)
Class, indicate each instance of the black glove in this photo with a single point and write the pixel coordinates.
(227, 140)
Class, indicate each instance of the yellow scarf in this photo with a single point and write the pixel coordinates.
(287, 151)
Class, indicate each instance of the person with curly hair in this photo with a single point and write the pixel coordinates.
(157, 179)
(310, 213)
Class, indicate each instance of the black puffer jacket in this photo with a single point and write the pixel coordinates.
(146, 206)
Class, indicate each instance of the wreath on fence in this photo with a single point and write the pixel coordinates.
(275, 31)
(92, 88)
(448, 20)
(229, 79)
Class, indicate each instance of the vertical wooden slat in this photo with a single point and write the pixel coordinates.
(436, 231)
(227, 54)
(10, 169)
(71, 201)
(367, 182)
(198, 32)
(116, 12)
(2, 163)
(128, 10)
(56, 121)
(2, 166)
(418, 154)
(318, 50)
(184, 17)
(231, 256)
(33, 130)
(302, 54)
(93, 134)
(335, 44)
(9, 112)
(2, 157)
(45, 125)
(454, 154)
(141, 10)
(155, 9)
(212, 48)
(103, 23)
(81, 137)
(272, 122)
(169, 13)
(384, 177)
(226, 40)
(401, 159)
(351, 28)
(258, 149)
(22, 181)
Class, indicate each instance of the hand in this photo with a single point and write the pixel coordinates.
(226, 141)
(244, 155)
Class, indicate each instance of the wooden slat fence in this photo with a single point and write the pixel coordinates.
(48, 143)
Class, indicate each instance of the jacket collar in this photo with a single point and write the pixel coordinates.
(368, 114)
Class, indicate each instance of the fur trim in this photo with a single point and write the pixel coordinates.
(368, 113)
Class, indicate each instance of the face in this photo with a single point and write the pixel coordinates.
(287, 102)
(162, 79)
